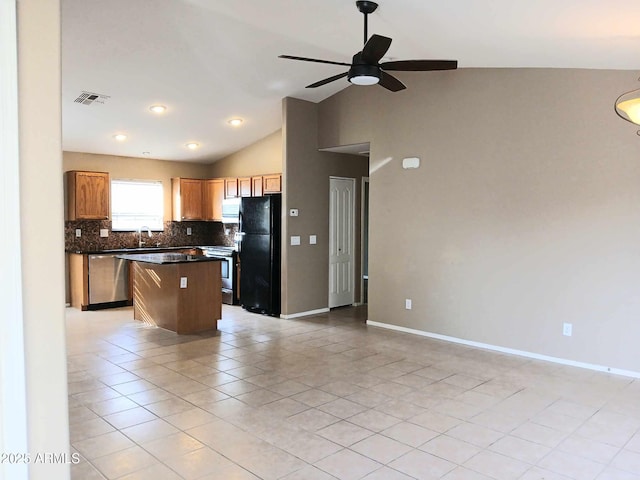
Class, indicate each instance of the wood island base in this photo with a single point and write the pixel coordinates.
(159, 300)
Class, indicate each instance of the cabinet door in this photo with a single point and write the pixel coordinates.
(191, 199)
(79, 280)
(230, 187)
(213, 196)
(256, 186)
(88, 195)
(244, 186)
(271, 184)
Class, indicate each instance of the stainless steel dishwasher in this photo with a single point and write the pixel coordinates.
(108, 279)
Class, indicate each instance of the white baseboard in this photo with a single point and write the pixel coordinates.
(305, 314)
(512, 351)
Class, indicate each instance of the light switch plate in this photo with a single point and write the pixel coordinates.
(295, 239)
(188, 230)
(104, 232)
(183, 282)
(313, 239)
(78, 233)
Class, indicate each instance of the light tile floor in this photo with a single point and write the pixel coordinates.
(327, 397)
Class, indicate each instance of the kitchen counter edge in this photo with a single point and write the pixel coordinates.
(135, 250)
(167, 258)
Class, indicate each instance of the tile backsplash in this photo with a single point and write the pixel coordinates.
(174, 235)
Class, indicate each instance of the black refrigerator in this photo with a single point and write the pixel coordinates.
(259, 254)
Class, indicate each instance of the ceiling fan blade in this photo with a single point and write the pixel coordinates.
(328, 80)
(375, 48)
(305, 59)
(420, 65)
(390, 82)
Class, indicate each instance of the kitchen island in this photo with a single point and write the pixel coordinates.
(176, 291)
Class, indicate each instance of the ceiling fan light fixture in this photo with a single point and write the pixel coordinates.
(364, 75)
(628, 106)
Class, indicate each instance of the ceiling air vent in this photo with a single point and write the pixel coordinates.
(87, 98)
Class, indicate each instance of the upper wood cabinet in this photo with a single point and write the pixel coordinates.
(271, 183)
(213, 196)
(195, 199)
(88, 195)
(230, 187)
(256, 186)
(188, 195)
(244, 186)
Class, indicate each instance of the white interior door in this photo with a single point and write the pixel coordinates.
(341, 241)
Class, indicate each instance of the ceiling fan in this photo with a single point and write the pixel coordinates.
(366, 69)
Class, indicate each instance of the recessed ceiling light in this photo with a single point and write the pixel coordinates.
(121, 137)
(192, 145)
(158, 108)
(235, 122)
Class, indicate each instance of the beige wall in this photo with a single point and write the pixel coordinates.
(306, 186)
(137, 169)
(42, 236)
(263, 156)
(524, 213)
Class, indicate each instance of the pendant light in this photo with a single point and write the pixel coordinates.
(628, 106)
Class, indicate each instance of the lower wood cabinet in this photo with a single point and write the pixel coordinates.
(89, 279)
(159, 301)
(82, 274)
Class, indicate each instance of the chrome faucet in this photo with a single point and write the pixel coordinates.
(144, 227)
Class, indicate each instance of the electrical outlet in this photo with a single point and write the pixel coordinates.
(567, 329)
(293, 212)
(407, 303)
(104, 232)
(183, 282)
(295, 239)
(313, 239)
(78, 233)
(188, 230)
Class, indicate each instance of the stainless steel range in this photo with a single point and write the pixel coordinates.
(229, 271)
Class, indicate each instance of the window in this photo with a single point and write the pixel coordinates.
(137, 203)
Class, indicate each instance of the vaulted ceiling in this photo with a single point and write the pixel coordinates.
(209, 61)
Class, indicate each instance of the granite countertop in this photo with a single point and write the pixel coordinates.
(164, 258)
(130, 250)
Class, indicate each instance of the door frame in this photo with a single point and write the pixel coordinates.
(352, 271)
(364, 233)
